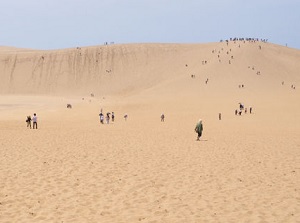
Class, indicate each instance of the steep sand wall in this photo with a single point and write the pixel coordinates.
(110, 69)
(122, 69)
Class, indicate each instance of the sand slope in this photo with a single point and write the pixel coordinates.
(122, 68)
(72, 169)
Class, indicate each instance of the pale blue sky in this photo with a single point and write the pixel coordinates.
(56, 24)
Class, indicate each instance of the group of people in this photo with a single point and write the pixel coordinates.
(292, 86)
(198, 128)
(34, 121)
(246, 39)
(107, 117)
(243, 108)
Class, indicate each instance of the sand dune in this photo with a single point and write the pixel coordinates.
(72, 169)
(124, 68)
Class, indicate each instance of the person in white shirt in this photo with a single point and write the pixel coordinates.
(107, 118)
(34, 121)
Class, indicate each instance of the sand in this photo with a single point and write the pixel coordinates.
(73, 169)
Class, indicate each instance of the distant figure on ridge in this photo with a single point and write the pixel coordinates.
(125, 117)
(199, 129)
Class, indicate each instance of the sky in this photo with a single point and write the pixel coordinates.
(59, 24)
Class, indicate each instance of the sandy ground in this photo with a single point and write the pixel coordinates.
(73, 169)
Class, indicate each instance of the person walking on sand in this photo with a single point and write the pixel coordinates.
(112, 116)
(199, 129)
(107, 118)
(101, 117)
(28, 121)
(162, 117)
(34, 121)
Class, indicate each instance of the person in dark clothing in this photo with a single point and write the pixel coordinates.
(162, 117)
(199, 129)
(112, 116)
(28, 121)
(101, 117)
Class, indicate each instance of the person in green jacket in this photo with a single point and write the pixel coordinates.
(199, 129)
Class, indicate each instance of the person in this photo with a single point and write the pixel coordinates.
(250, 109)
(162, 117)
(101, 117)
(125, 117)
(220, 116)
(241, 106)
(112, 116)
(34, 121)
(28, 121)
(107, 118)
(199, 129)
